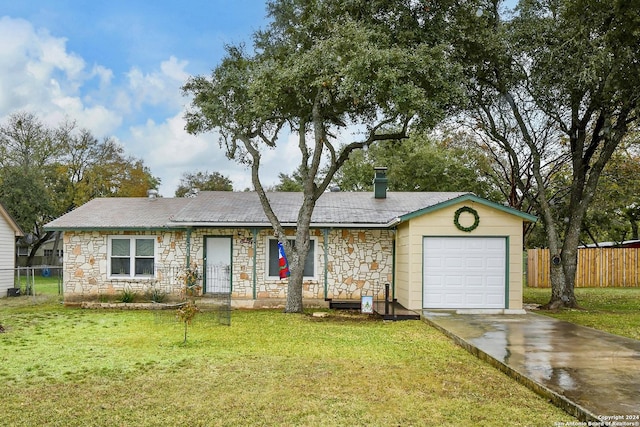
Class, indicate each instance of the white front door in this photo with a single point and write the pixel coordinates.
(464, 272)
(217, 257)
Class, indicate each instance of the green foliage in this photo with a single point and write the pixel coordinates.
(292, 183)
(553, 93)
(128, 295)
(47, 171)
(319, 70)
(419, 164)
(615, 213)
(155, 294)
(203, 181)
(288, 183)
(24, 195)
(91, 168)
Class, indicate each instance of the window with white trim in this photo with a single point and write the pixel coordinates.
(274, 268)
(132, 256)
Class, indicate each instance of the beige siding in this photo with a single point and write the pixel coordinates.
(493, 222)
(403, 268)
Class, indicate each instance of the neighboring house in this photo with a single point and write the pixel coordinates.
(624, 244)
(45, 255)
(9, 231)
(358, 244)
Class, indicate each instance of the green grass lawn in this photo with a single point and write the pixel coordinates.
(62, 366)
(42, 285)
(615, 310)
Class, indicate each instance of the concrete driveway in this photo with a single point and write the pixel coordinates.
(593, 375)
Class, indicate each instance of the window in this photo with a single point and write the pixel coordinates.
(131, 256)
(309, 265)
(49, 252)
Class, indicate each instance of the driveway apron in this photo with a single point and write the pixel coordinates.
(593, 375)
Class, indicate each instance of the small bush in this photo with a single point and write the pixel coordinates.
(156, 295)
(128, 295)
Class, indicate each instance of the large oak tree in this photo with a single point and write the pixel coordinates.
(554, 86)
(320, 70)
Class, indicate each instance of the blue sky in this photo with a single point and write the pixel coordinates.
(116, 68)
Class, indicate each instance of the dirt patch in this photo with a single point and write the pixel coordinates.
(342, 316)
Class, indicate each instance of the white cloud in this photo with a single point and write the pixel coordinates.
(144, 112)
(169, 151)
(158, 87)
(41, 77)
(104, 74)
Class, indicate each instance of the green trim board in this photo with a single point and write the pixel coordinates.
(469, 198)
(325, 249)
(393, 269)
(254, 233)
(506, 279)
(188, 247)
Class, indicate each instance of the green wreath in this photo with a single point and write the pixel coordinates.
(476, 217)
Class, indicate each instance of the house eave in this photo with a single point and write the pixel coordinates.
(474, 199)
(389, 224)
(107, 229)
(17, 231)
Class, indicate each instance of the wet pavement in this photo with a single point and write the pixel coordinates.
(593, 375)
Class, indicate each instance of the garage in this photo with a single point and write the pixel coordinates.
(464, 272)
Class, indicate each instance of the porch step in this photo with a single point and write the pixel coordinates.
(394, 311)
(344, 305)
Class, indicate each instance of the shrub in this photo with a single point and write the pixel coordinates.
(156, 295)
(128, 295)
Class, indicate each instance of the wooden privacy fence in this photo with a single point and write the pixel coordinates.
(597, 268)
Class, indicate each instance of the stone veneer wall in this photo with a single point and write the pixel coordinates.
(359, 262)
(85, 264)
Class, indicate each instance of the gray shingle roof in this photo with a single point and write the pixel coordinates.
(219, 208)
(120, 213)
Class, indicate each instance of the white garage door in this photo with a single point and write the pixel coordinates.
(464, 272)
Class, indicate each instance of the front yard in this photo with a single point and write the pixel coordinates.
(64, 366)
(615, 310)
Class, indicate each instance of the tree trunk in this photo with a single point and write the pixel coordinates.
(294, 291)
(299, 255)
(557, 283)
(53, 259)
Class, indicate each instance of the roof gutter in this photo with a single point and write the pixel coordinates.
(189, 225)
(389, 224)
